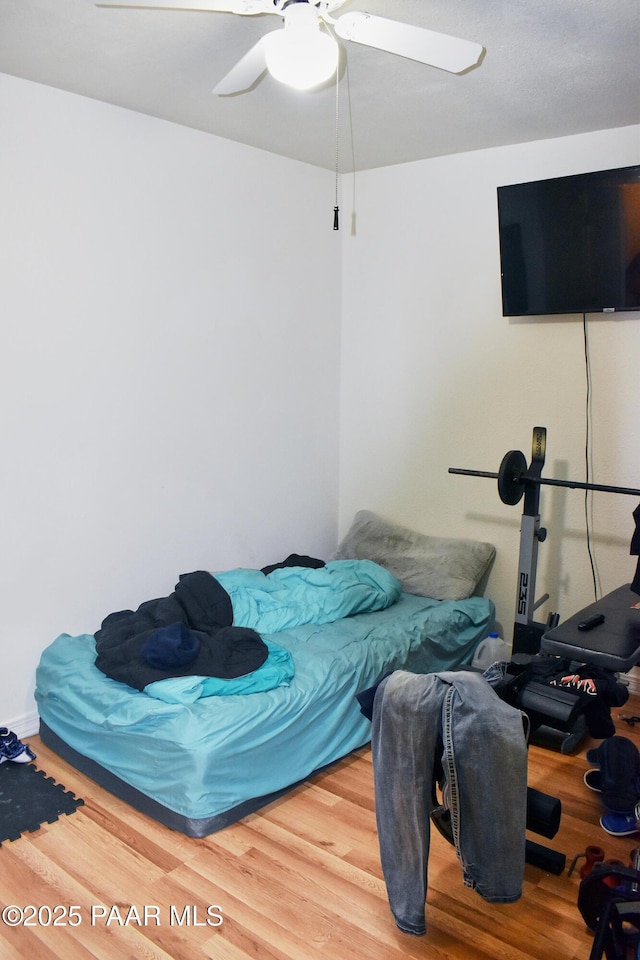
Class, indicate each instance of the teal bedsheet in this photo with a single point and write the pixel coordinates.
(205, 757)
(277, 671)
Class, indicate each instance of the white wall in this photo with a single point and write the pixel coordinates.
(433, 375)
(170, 308)
(169, 311)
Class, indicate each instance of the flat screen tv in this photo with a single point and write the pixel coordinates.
(571, 244)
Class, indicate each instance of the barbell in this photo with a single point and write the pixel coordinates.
(514, 477)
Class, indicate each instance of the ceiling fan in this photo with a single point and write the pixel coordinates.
(305, 53)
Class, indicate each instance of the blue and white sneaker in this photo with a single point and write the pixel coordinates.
(13, 749)
(621, 824)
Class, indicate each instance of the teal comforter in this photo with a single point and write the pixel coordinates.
(291, 596)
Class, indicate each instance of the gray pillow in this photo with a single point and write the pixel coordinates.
(439, 567)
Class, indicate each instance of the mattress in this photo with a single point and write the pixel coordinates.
(199, 764)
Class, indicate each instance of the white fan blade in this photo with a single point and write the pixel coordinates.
(245, 73)
(246, 7)
(416, 43)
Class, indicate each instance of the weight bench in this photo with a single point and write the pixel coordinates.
(605, 635)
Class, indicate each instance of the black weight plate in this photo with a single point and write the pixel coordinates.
(512, 468)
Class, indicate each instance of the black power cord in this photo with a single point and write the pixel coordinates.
(587, 452)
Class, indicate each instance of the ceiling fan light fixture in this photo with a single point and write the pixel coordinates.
(302, 55)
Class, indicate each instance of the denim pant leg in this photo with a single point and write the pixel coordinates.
(485, 759)
(405, 735)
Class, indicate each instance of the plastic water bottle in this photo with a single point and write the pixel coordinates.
(489, 650)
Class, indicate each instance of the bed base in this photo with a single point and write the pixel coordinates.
(190, 826)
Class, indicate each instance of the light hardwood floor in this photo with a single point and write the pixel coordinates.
(301, 879)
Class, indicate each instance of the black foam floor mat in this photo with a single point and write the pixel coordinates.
(29, 798)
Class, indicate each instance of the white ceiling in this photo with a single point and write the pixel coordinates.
(552, 68)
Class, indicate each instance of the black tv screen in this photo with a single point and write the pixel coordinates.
(571, 244)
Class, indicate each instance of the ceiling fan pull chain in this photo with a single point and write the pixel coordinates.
(336, 209)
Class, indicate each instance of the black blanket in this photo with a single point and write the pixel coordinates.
(188, 633)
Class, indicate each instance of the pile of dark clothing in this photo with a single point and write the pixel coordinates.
(191, 632)
(188, 633)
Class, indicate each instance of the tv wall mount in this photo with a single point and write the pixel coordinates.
(515, 481)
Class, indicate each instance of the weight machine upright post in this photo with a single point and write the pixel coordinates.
(526, 632)
(524, 636)
(527, 561)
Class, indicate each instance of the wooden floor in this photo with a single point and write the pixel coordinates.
(299, 880)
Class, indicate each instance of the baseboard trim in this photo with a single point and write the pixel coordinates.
(24, 726)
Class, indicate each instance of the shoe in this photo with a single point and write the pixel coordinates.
(13, 749)
(618, 759)
(593, 779)
(621, 824)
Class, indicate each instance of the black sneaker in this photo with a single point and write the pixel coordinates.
(593, 779)
(618, 759)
